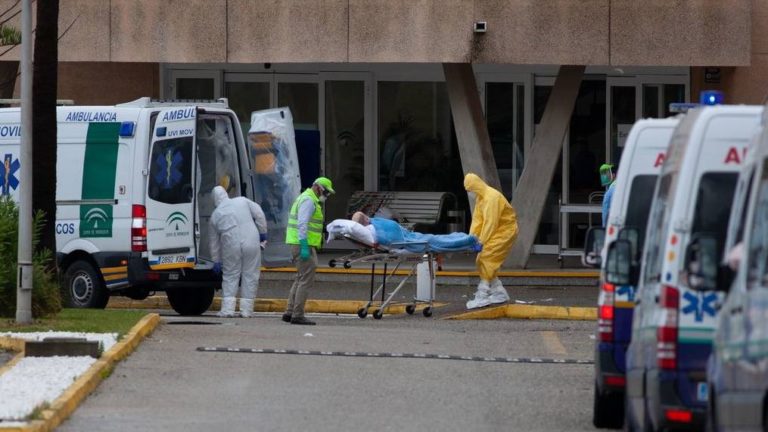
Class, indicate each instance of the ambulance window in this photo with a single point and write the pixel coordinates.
(170, 173)
(741, 210)
(658, 217)
(640, 197)
(757, 254)
(713, 205)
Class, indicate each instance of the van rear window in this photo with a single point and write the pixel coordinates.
(640, 197)
(170, 172)
(713, 205)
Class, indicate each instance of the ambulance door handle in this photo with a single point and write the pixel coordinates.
(197, 230)
(737, 310)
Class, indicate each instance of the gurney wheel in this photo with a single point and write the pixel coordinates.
(427, 311)
(332, 263)
(410, 309)
(347, 265)
(362, 312)
(377, 314)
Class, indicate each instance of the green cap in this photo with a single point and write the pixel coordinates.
(605, 167)
(325, 182)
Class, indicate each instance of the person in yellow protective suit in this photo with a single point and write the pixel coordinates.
(494, 223)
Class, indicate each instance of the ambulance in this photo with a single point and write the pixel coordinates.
(133, 196)
(674, 320)
(737, 373)
(639, 168)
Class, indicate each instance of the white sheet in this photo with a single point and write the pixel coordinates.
(353, 229)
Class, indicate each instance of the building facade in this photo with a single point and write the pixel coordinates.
(366, 80)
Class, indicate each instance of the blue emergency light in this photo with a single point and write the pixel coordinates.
(127, 128)
(711, 97)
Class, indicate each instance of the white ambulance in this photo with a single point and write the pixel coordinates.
(133, 196)
(674, 321)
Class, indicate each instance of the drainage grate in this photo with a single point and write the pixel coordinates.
(397, 355)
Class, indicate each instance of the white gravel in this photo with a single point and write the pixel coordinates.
(34, 381)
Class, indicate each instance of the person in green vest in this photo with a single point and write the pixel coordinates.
(305, 234)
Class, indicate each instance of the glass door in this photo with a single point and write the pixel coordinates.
(247, 93)
(195, 84)
(301, 93)
(623, 109)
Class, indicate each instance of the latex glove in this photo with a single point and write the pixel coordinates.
(304, 250)
(263, 245)
(217, 268)
(478, 247)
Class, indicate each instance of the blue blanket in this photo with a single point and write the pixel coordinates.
(390, 233)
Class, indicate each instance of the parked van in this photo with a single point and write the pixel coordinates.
(673, 322)
(738, 368)
(639, 168)
(133, 196)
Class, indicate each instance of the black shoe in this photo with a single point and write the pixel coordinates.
(302, 321)
(287, 317)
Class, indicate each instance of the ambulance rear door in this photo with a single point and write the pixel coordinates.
(170, 204)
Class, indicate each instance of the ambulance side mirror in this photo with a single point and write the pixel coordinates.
(593, 246)
(702, 263)
(619, 268)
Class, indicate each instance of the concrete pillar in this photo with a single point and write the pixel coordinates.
(471, 131)
(541, 161)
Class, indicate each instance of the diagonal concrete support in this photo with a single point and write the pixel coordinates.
(541, 161)
(471, 131)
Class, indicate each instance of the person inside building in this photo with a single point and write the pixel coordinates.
(494, 223)
(305, 234)
(607, 178)
(238, 232)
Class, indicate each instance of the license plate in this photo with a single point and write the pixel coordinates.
(702, 391)
(172, 259)
(173, 276)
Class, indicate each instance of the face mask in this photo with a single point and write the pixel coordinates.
(323, 198)
(605, 178)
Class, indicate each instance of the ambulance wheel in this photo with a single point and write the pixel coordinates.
(332, 263)
(377, 314)
(83, 287)
(347, 265)
(410, 309)
(607, 410)
(190, 301)
(362, 312)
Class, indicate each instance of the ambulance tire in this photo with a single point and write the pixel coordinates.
(608, 410)
(83, 287)
(190, 301)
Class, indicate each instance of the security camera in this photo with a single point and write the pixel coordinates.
(267, 65)
(481, 26)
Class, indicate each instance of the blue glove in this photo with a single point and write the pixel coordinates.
(262, 237)
(477, 247)
(303, 249)
(217, 268)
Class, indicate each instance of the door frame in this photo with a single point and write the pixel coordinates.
(217, 75)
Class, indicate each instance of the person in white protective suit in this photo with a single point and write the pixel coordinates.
(238, 233)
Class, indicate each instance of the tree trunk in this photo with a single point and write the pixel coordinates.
(44, 88)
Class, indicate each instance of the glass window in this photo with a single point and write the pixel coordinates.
(194, 88)
(418, 150)
(245, 98)
(650, 101)
(550, 217)
(713, 205)
(506, 128)
(170, 174)
(302, 98)
(658, 219)
(757, 254)
(672, 93)
(344, 142)
(639, 205)
(622, 118)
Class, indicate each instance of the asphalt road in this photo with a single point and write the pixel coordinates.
(168, 385)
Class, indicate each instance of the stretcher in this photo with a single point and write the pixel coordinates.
(395, 253)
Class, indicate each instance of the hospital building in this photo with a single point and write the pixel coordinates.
(407, 95)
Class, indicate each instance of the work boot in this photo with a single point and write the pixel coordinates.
(482, 296)
(287, 317)
(246, 308)
(302, 321)
(498, 293)
(227, 307)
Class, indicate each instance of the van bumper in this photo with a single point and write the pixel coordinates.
(609, 375)
(140, 275)
(664, 398)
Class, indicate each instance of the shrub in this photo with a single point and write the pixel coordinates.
(46, 299)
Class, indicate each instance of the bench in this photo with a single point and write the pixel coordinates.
(425, 212)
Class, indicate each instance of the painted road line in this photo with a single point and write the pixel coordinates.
(553, 344)
(394, 355)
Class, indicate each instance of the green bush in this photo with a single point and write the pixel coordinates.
(46, 299)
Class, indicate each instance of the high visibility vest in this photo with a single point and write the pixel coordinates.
(315, 225)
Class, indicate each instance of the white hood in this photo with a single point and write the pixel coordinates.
(219, 195)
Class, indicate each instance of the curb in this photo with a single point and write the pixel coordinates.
(269, 305)
(66, 404)
(517, 311)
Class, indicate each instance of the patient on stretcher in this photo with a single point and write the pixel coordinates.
(389, 233)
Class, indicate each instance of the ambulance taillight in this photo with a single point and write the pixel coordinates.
(139, 228)
(605, 318)
(666, 350)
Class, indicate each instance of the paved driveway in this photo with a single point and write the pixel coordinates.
(167, 384)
